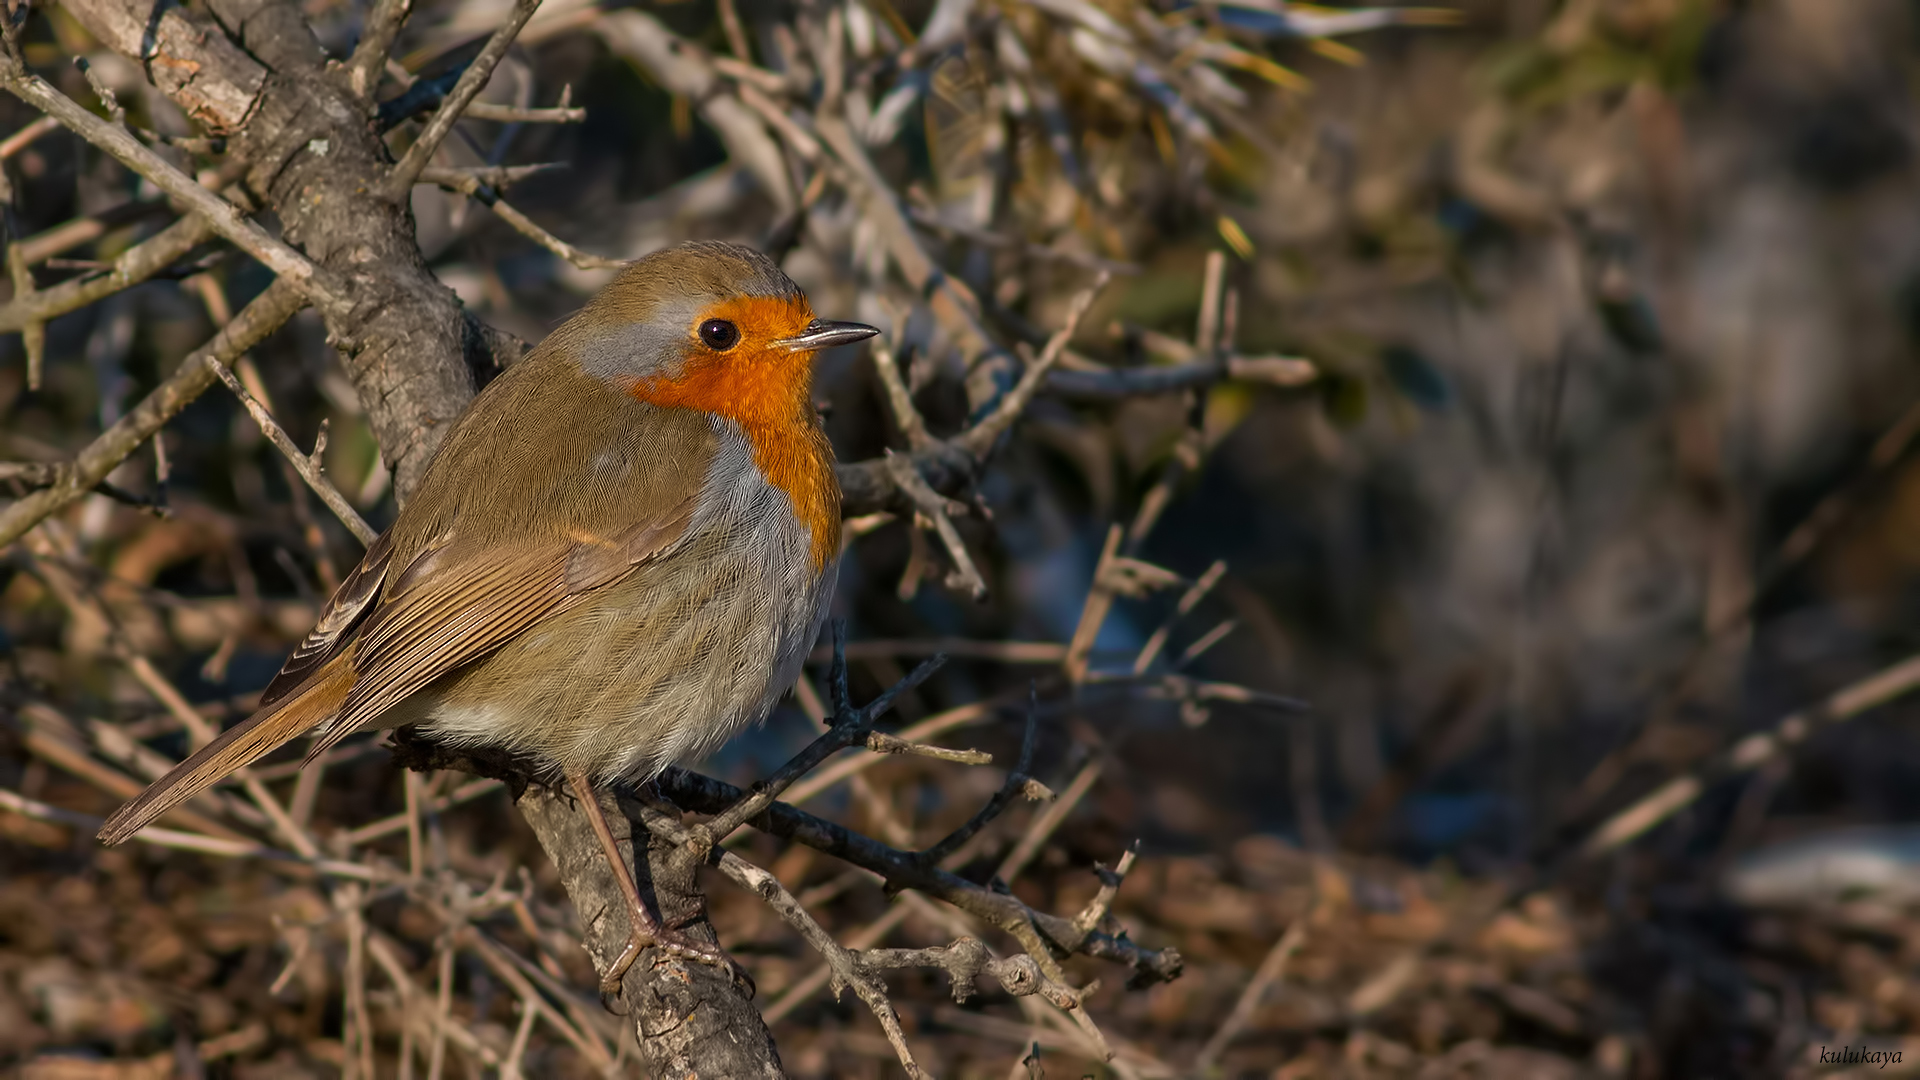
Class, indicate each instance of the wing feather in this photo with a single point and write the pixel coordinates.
(351, 603)
(477, 601)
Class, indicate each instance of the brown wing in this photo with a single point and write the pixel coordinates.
(478, 597)
(351, 603)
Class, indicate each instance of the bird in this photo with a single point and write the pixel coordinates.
(617, 558)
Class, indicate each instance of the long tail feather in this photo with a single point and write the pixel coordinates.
(235, 748)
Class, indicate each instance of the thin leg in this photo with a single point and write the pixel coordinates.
(644, 929)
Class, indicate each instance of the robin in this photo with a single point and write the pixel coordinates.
(616, 559)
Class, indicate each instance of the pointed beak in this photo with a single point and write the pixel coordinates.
(825, 334)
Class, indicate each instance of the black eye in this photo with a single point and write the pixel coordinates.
(719, 334)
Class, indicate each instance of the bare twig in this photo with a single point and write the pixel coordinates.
(847, 971)
(964, 962)
(133, 266)
(1188, 601)
(317, 284)
(932, 726)
(850, 728)
(310, 466)
(932, 507)
(472, 81)
(187, 841)
(1270, 971)
(498, 177)
(471, 185)
(1017, 781)
(376, 44)
(509, 114)
(1093, 613)
(258, 319)
(33, 335)
(1752, 752)
(900, 399)
(26, 136)
(1037, 931)
(881, 743)
(979, 439)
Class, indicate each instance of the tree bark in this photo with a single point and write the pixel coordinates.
(691, 1018)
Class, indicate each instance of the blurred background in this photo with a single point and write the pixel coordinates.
(1601, 465)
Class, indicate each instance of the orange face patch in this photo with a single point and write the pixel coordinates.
(764, 388)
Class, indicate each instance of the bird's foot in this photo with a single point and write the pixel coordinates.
(674, 943)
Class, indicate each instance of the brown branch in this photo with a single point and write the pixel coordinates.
(1752, 752)
(471, 185)
(881, 743)
(931, 507)
(902, 870)
(135, 265)
(965, 961)
(900, 399)
(846, 970)
(26, 136)
(472, 81)
(309, 466)
(68, 235)
(316, 284)
(185, 55)
(376, 44)
(683, 68)
(88, 468)
(509, 114)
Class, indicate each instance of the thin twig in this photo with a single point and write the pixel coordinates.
(309, 466)
(1188, 601)
(376, 44)
(933, 508)
(881, 743)
(316, 283)
(133, 266)
(979, 439)
(510, 114)
(1270, 971)
(187, 841)
(498, 177)
(902, 869)
(472, 81)
(471, 185)
(900, 399)
(1017, 781)
(1093, 613)
(850, 729)
(26, 136)
(90, 467)
(1752, 752)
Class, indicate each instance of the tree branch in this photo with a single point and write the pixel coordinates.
(258, 319)
(472, 81)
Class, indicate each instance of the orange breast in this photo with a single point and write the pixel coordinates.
(765, 389)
